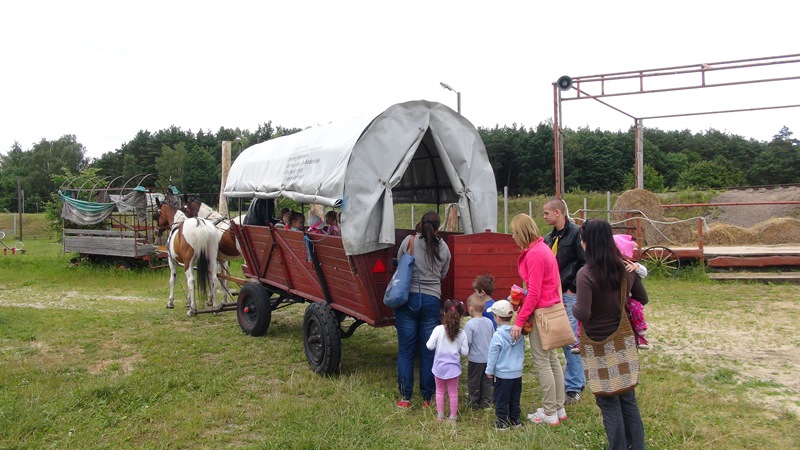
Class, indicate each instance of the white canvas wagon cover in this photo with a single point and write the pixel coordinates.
(413, 152)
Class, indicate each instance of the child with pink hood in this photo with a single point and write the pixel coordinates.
(626, 245)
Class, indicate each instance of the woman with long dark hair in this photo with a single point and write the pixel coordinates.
(598, 307)
(416, 319)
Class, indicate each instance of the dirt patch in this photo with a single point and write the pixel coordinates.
(759, 347)
(748, 216)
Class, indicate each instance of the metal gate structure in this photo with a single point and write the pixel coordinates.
(677, 78)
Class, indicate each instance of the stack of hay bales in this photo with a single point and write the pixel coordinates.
(782, 230)
(675, 231)
(641, 203)
(724, 234)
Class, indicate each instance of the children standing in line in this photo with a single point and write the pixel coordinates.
(484, 286)
(479, 332)
(449, 342)
(504, 364)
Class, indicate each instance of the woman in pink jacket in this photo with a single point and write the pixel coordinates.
(539, 271)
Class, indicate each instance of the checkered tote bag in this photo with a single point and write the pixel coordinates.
(611, 366)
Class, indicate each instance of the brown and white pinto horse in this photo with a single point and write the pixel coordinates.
(229, 249)
(228, 246)
(192, 242)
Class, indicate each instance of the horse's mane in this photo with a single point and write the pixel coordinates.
(207, 213)
(179, 217)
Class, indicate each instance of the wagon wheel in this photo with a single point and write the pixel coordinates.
(660, 261)
(253, 309)
(321, 339)
(122, 264)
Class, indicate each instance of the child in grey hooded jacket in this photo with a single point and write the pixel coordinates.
(504, 364)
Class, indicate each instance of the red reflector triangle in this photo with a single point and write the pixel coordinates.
(378, 267)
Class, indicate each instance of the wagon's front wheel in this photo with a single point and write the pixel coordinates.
(253, 309)
(660, 261)
(321, 339)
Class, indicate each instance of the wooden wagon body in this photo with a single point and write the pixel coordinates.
(110, 220)
(415, 152)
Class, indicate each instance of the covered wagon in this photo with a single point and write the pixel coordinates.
(417, 152)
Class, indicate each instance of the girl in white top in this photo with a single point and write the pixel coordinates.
(449, 342)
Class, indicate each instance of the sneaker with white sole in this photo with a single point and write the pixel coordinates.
(572, 397)
(561, 413)
(540, 417)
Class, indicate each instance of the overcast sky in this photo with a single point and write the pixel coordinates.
(105, 70)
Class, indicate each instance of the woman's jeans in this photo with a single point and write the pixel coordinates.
(574, 378)
(415, 322)
(622, 421)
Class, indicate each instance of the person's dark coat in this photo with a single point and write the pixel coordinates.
(570, 254)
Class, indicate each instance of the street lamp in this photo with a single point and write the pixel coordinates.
(458, 94)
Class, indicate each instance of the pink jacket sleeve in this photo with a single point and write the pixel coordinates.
(531, 269)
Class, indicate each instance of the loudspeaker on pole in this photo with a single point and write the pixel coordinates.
(564, 83)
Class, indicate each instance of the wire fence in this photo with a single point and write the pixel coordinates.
(34, 231)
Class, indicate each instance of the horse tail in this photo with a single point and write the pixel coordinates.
(205, 246)
(202, 272)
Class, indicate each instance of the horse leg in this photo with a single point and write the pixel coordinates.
(223, 283)
(173, 275)
(189, 272)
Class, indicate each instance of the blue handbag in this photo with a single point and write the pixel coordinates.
(400, 285)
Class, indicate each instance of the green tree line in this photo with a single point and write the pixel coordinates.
(522, 159)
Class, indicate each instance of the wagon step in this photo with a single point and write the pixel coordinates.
(763, 277)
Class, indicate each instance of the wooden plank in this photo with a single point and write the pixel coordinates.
(754, 261)
(752, 250)
(782, 277)
(108, 233)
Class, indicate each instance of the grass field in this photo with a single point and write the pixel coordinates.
(90, 358)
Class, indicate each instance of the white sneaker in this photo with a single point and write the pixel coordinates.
(561, 414)
(540, 417)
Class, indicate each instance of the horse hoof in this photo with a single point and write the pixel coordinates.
(190, 313)
(170, 306)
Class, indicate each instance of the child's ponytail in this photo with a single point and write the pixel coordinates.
(451, 315)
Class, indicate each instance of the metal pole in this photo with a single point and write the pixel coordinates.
(20, 205)
(608, 206)
(639, 169)
(413, 225)
(505, 209)
(557, 138)
(458, 96)
(530, 208)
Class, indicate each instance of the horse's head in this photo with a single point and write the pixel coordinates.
(164, 217)
(191, 206)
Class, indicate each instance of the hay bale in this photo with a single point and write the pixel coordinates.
(779, 230)
(724, 234)
(674, 231)
(638, 200)
(640, 203)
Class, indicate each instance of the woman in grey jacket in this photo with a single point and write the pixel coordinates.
(416, 319)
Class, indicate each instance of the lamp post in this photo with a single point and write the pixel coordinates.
(458, 94)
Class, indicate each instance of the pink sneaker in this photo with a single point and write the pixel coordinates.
(404, 404)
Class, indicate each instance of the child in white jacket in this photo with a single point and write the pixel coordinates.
(448, 342)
